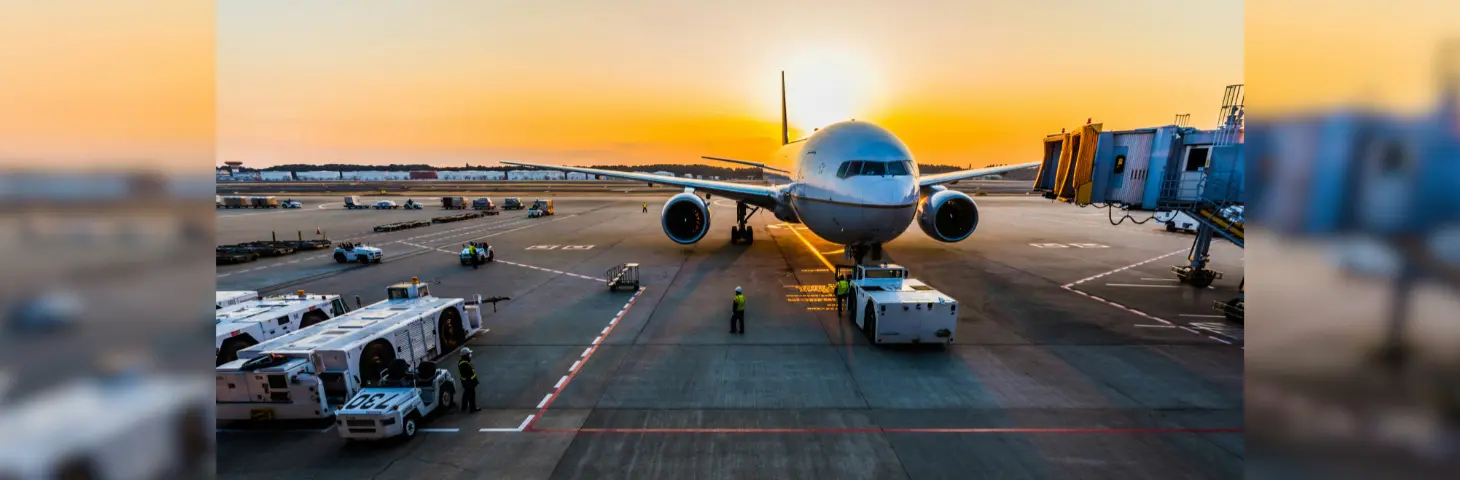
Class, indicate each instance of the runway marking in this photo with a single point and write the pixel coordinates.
(813, 250)
(1140, 285)
(438, 430)
(500, 430)
(586, 351)
(1156, 326)
(1127, 267)
(1201, 315)
(1160, 279)
(560, 382)
(560, 272)
(573, 371)
(864, 430)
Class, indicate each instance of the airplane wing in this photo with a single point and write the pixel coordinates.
(930, 180)
(759, 195)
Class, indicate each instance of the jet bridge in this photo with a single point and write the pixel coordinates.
(1173, 168)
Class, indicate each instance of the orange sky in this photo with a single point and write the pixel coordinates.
(448, 82)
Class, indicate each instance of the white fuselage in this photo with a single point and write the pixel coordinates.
(851, 209)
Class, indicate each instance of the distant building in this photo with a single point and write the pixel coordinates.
(666, 174)
(577, 176)
(276, 176)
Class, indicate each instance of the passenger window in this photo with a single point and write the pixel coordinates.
(841, 172)
(874, 168)
(283, 320)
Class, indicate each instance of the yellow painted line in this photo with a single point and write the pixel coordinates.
(813, 249)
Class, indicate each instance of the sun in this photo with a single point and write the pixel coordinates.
(825, 86)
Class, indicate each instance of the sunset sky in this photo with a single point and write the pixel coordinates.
(449, 82)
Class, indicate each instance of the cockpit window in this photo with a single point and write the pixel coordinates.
(897, 168)
(874, 168)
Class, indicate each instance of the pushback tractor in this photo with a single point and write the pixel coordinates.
(247, 324)
(889, 307)
(311, 373)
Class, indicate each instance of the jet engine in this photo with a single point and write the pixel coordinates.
(686, 218)
(948, 216)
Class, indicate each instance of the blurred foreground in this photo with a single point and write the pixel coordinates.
(102, 330)
(1355, 363)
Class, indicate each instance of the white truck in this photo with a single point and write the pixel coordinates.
(484, 254)
(403, 398)
(128, 427)
(889, 307)
(227, 298)
(353, 203)
(311, 373)
(249, 323)
(353, 252)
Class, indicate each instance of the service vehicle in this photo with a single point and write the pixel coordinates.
(411, 205)
(352, 252)
(385, 205)
(403, 397)
(512, 203)
(311, 373)
(484, 253)
(1177, 221)
(218, 201)
(391, 227)
(252, 322)
(889, 307)
(266, 248)
(263, 202)
(541, 208)
(234, 201)
(454, 203)
(135, 426)
(234, 297)
(485, 205)
(353, 203)
(292, 204)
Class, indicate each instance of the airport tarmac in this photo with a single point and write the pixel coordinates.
(1077, 356)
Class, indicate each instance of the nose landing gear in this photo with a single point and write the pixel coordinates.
(858, 253)
(742, 232)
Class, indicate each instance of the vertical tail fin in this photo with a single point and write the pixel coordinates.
(785, 132)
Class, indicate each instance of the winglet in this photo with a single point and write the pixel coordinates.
(785, 131)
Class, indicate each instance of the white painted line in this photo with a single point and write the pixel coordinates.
(586, 351)
(615, 320)
(1219, 340)
(544, 401)
(499, 430)
(1139, 285)
(1156, 326)
(523, 426)
(596, 340)
(574, 368)
(1160, 279)
(621, 312)
(1202, 316)
(560, 382)
(439, 430)
(1086, 279)
(1193, 331)
(605, 330)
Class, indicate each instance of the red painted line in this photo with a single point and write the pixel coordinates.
(582, 363)
(1090, 431)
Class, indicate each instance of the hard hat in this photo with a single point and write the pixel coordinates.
(737, 289)
(465, 351)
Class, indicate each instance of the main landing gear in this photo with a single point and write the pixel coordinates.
(742, 232)
(858, 253)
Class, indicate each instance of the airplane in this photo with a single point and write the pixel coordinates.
(852, 183)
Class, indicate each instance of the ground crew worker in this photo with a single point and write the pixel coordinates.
(738, 314)
(646, 207)
(471, 249)
(842, 288)
(468, 376)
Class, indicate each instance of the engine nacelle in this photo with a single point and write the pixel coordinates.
(948, 216)
(686, 218)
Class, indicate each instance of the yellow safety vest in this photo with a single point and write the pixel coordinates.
(842, 287)
(469, 368)
(739, 302)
